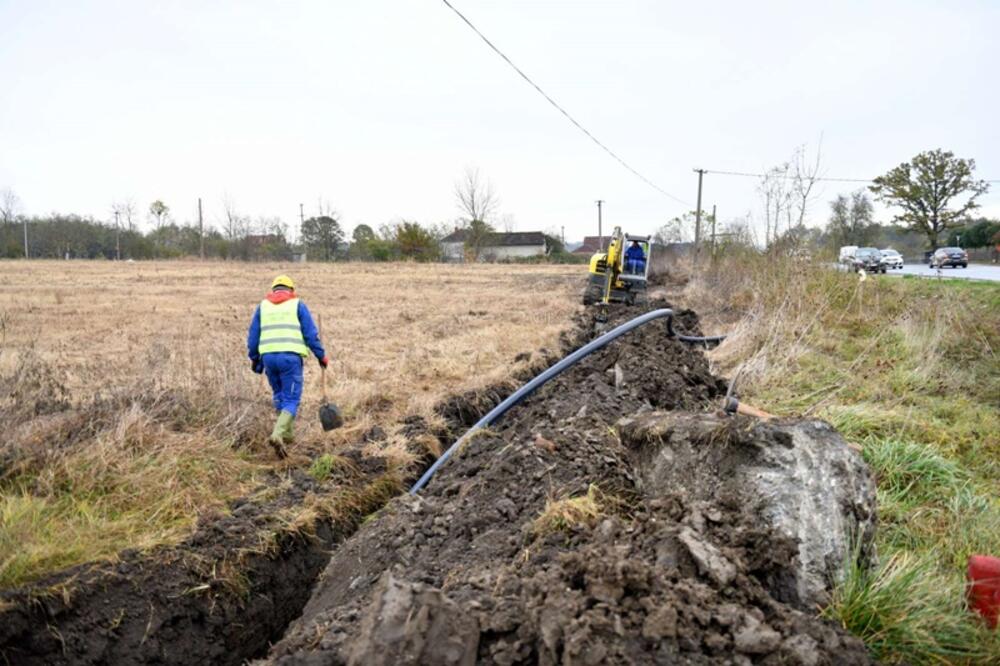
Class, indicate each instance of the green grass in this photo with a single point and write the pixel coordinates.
(322, 467)
(905, 616)
(909, 370)
(89, 506)
(325, 465)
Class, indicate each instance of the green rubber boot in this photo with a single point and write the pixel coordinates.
(277, 439)
(288, 433)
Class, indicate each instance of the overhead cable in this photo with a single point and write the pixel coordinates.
(562, 110)
(790, 176)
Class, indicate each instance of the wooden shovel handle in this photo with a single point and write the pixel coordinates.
(322, 368)
(747, 410)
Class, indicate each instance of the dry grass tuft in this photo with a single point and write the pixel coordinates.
(563, 515)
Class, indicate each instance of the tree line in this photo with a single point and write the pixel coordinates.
(242, 237)
(934, 197)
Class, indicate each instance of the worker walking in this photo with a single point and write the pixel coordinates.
(282, 334)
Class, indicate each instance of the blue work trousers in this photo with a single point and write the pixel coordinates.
(635, 266)
(284, 373)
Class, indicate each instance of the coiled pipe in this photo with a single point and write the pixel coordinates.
(554, 371)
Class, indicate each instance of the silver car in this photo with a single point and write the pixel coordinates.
(891, 258)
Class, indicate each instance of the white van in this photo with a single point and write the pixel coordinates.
(847, 253)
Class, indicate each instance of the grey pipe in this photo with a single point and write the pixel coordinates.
(521, 393)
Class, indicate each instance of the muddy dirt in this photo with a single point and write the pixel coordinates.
(219, 597)
(665, 572)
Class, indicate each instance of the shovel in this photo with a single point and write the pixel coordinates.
(329, 414)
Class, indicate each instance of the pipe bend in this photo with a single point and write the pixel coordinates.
(554, 371)
(548, 374)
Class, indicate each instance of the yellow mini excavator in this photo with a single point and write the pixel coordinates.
(619, 274)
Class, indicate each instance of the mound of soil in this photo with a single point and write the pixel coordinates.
(491, 564)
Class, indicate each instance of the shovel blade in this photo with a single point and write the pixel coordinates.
(329, 416)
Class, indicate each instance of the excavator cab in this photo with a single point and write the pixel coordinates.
(619, 274)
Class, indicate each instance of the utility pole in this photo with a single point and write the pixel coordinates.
(562, 235)
(118, 239)
(713, 231)
(600, 233)
(201, 232)
(302, 216)
(697, 217)
(25, 220)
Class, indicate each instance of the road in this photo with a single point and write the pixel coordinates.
(973, 272)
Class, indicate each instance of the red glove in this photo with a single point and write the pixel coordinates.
(325, 361)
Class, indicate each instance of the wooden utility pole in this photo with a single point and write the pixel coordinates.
(25, 220)
(201, 232)
(562, 233)
(600, 232)
(697, 216)
(118, 239)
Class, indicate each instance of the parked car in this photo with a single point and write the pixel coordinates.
(949, 256)
(869, 259)
(892, 258)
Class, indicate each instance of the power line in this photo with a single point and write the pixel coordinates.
(785, 176)
(560, 109)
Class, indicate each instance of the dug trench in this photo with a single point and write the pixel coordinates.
(613, 517)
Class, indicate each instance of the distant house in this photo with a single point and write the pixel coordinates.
(591, 244)
(512, 245)
(453, 245)
(495, 246)
(262, 240)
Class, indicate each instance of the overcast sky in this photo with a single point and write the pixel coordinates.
(377, 107)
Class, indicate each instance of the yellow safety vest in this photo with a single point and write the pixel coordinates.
(280, 330)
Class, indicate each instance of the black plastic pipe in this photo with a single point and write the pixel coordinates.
(552, 372)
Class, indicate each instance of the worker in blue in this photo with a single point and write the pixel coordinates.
(635, 259)
(282, 334)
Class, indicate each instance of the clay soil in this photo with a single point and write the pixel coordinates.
(475, 570)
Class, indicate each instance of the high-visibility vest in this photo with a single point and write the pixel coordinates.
(280, 330)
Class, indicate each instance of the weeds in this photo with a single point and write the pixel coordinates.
(325, 465)
(909, 370)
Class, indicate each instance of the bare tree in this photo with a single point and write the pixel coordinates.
(774, 191)
(126, 210)
(235, 226)
(805, 174)
(326, 209)
(475, 197)
(508, 222)
(10, 206)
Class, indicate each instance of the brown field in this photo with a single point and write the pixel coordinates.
(130, 408)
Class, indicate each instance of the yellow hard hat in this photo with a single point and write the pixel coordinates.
(283, 281)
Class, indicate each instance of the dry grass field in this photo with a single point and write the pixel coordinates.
(129, 407)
